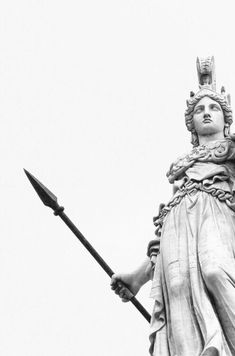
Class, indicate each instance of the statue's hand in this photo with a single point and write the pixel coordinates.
(121, 281)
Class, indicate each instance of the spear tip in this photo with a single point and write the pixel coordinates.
(26, 172)
(47, 197)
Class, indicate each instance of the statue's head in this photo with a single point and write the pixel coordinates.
(218, 104)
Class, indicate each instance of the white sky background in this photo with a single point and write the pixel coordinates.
(92, 100)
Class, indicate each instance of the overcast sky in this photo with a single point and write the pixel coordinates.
(92, 100)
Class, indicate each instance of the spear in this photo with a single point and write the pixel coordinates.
(50, 200)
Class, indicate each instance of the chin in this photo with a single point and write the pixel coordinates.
(210, 131)
(207, 133)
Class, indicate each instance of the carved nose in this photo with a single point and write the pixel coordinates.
(206, 115)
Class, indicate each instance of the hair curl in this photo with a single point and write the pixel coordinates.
(227, 111)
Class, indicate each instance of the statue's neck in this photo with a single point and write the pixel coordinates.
(207, 139)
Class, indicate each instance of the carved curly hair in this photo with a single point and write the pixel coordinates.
(227, 111)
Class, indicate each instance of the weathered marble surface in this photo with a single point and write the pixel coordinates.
(194, 280)
(192, 259)
(194, 274)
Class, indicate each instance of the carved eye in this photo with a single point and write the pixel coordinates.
(198, 110)
(215, 107)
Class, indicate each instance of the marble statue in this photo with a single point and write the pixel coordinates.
(192, 259)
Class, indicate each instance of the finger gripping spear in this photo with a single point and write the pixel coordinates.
(50, 200)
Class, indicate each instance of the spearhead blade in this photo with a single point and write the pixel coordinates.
(47, 197)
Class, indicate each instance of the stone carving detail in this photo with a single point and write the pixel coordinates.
(193, 254)
(191, 261)
(206, 72)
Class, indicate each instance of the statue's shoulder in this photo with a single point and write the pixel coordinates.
(182, 163)
(217, 152)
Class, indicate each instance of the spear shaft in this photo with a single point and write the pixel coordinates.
(50, 200)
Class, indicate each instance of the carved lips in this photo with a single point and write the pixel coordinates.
(207, 121)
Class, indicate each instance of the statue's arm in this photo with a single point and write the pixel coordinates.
(134, 280)
(141, 275)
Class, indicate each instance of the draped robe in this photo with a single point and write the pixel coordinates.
(194, 272)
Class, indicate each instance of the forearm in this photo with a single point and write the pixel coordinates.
(143, 272)
(133, 281)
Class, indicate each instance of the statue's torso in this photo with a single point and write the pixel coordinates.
(209, 169)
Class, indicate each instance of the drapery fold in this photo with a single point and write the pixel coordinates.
(194, 275)
(194, 280)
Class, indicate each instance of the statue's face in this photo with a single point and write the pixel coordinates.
(208, 117)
